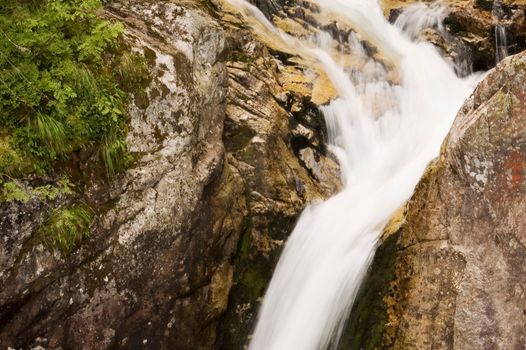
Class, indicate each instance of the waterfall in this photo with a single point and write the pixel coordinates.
(501, 44)
(384, 132)
(419, 17)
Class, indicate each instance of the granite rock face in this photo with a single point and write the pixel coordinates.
(455, 275)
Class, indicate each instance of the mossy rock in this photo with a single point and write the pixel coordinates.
(364, 329)
(253, 273)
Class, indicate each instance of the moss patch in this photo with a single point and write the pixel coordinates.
(11, 162)
(240, 56)
(14, 190)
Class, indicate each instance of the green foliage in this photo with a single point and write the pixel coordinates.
(12, 191)
(114, 155)
(10, 160)
(58, 91)
(67, 227)
(52, 192)
(16, 191)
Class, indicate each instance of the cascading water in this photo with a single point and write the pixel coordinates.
(419, 17)
(384, 135)
(501, 43)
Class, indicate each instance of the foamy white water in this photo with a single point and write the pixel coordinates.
(384, 135)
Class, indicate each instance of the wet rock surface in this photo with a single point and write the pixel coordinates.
(271, 123)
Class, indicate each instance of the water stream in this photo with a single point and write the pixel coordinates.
(384, 132)
(501, 43)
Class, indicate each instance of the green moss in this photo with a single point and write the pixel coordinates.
(251, 277)
(67, 227)
(11, 191)
(131, 71)
(364, 330)
(14, 190)
(11, 162)
(240, 56)
(150, 56)
(253, 273)
(244, 245)
(255, 282)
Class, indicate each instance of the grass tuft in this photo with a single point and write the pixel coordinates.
(131, 72)
(115, 155)
(67, 227)
(85, 83)
(51, 131)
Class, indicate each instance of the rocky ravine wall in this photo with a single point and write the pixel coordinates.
(227, 159)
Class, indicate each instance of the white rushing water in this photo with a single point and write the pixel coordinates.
(384, 135)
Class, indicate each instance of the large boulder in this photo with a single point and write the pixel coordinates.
(453, 276)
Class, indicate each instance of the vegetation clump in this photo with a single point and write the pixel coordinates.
(60, 75)
(67, 227)
(14, 190)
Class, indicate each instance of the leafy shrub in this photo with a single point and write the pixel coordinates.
(67, 227)
(58, 92)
